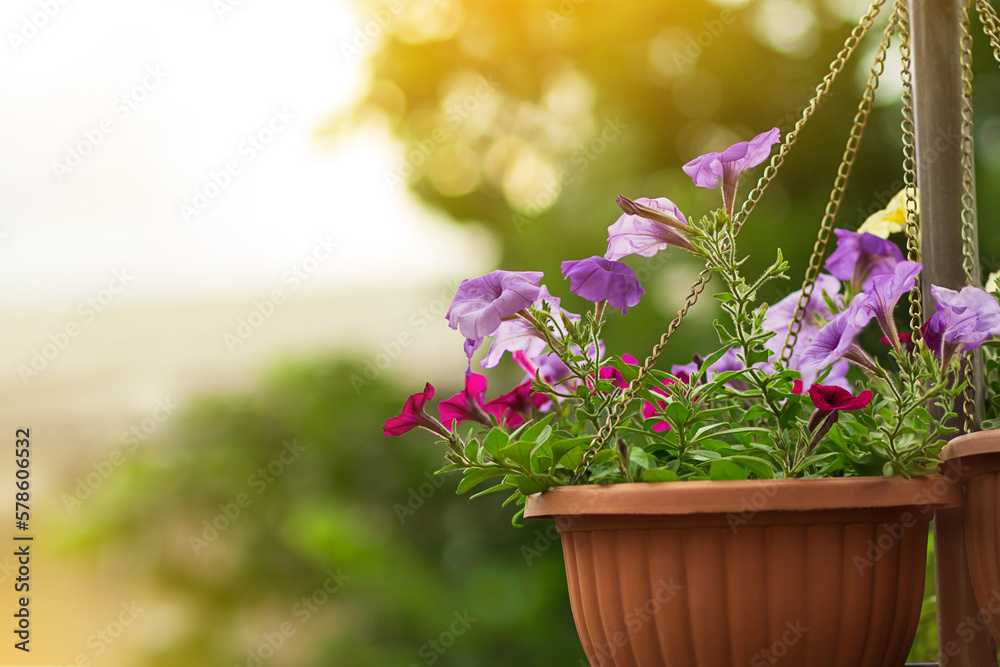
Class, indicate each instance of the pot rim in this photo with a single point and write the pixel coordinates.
(972, 444)
(713, 497)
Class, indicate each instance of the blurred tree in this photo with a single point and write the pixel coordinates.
(289, 508)
(530, 117)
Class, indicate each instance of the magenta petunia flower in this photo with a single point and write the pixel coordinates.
(885, 292)
(654, 409)
(467, 404)
(512, 408)
(482, 303)
(613, 374)
(646, 227)
(962, 322)
(597, 279)
(836, 339)
(708, 169)
(413, 415)
(829, 398)
(830, 401)
(519, 334)
(860, 257)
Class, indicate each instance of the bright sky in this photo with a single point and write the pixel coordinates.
(118, 112)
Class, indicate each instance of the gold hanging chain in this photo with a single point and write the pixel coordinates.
(909, 165)
(969, 249)
(837, 194)
(739, 219)
(991, 25)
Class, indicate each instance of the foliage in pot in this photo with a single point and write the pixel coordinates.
(742, 411)
(781, 411)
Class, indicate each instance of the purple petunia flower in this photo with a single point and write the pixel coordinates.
(519, 334)
(885, 292)
(962, 322)
(597, 279)
(482, 303)
(646, 227)
(836, 339)
(707, 169)
(860, 257)
(779, 317)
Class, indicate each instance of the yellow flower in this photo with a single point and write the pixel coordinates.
(890, 220)
(992, 284)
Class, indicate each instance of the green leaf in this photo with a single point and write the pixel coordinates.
(758, 466)
(474, 477)
(676, 413)
(472, 451)
(989, 424)
(660, 475)
(726, 469)
(502, 486)
(544, 435)
(519, 452)
(561, 448)
(527, 486)
(495, 440)
(535, 430)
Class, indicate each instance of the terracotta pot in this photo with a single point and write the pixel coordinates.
(804, 573)
(977, 458)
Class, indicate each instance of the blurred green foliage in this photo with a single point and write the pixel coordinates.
(409, 553)
(528, 118)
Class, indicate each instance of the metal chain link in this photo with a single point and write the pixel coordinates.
(969, 249)
(909, 165)
(991, 25)
(837, 194)
(739, 219)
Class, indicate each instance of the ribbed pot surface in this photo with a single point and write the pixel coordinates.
(751, 587)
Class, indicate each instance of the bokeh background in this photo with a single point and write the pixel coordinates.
(229, 230)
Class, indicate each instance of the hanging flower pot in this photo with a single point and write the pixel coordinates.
(819, 572)
(977, 457)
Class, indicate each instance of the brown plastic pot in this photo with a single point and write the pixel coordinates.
(804, 573)
(976, 457)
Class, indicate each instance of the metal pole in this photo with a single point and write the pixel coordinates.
(936, 35)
